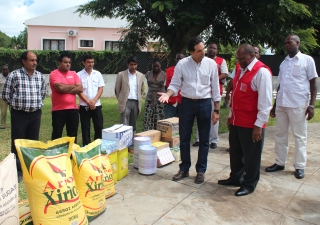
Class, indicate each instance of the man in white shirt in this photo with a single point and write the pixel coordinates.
(223, 73)
(292, 108)
(90, 106)
(129, 89)
(249, 112)
(197, 78)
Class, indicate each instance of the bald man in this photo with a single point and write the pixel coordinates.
(251, 102)
(292, 108)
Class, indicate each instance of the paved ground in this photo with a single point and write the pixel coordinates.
(279, 198)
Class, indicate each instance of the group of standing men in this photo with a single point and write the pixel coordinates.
(25, 89)
(194, 83)
(197, 78)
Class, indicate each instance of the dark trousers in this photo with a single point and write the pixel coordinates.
(68, 117)
(171, 111)
(189, 110)
(97, 118)
(245, 157)
(130, 114)
(24, 125)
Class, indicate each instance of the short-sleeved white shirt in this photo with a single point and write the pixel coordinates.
(294, 76)
(91, 84)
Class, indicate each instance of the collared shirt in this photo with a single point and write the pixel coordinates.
(2, 81)
(294, 76)
(196, 80)
(262, 83)
(133, 84)
(24, 92)
(90, 84)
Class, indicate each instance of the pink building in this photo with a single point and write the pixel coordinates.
(66, 30)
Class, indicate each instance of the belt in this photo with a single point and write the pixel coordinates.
(25, 110)
(196, 99)
(193, 99)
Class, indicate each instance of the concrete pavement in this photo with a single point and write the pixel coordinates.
(279, 198)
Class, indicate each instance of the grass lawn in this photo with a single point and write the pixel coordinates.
(111, 117)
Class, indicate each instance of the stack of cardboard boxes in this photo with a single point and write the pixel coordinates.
(122, 135)
(170, 133)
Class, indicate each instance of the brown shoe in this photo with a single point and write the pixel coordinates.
(199, 178)
(180, 175)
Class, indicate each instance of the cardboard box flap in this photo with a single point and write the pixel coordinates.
(113, 128)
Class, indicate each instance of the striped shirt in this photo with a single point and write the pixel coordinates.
(196, 81)
(24, 92)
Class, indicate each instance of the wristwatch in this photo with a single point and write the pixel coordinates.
(216, 110)
(311, 106)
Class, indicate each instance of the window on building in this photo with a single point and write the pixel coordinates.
(86, 43)
(57, 44)
(112, 46)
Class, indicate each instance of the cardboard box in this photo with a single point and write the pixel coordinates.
(164, 154)
(173, 142)
(154, 135)
(119, 133)
(169, 127)
(160, 145)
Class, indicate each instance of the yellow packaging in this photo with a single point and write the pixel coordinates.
(122, 163)
(114, 163)
(24, 213)
(89, 175)
(108, 178)
(47, 173)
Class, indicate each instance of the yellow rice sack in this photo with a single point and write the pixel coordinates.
(108, 177)
(24, 213)
(89, 175)
(47, 173)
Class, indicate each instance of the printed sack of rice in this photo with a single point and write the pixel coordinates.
(51, 188)
(24, 213)
(9, 212)
(89, 176)
(108, 176)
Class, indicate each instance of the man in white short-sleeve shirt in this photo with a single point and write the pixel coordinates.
(292, 108)
(90, 106)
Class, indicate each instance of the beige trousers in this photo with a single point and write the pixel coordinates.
(3, 107)
(295, 119)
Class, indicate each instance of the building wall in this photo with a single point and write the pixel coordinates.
(36, 34)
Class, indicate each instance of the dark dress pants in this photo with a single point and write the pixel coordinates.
(86, 114)
(24, 125)
(68, 117)
(189, 110)
(245, 157)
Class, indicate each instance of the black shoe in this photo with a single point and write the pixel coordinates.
(213, 145)
(242, 192)
(275, 167)
(299, 173)
(199, 178)
(180, 175)
(227, 182)
(196, 144)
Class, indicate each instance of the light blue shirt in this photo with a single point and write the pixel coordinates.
(196, 80)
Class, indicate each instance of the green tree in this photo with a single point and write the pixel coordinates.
(4, 40)
(173, 22)
(20, 42)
